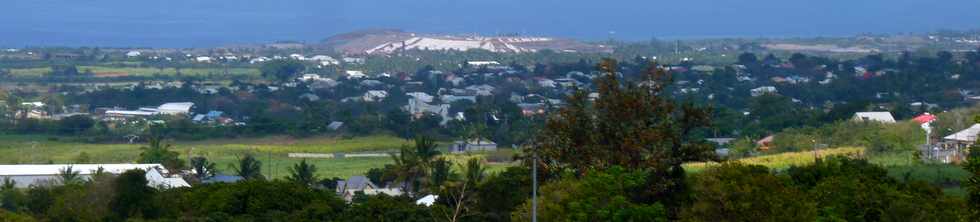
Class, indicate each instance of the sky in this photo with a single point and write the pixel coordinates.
(209, 23)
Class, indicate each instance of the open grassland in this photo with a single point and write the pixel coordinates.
(272, 151)
(111, 71)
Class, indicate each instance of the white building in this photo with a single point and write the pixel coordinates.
(482, 63)
(473, 146)
(481, 90)
(175, 108)
(309, 77)
(352, 60)
(375, 95)
(25, 175)
(419, 108)
(421, 96)
(203, 59)
(882, 117)
(325, 60)
(134, 53)
(968, 135)
(355, 74)
(763, 91)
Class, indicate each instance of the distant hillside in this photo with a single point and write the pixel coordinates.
(385, 41)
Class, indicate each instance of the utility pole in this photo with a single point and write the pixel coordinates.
(534, 188)
(815, 154)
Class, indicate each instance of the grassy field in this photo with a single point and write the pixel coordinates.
(272, 151)
(107, 71)
(899, 165)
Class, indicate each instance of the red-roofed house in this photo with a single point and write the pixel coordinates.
(924, 118)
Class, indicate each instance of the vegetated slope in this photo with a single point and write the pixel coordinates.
(386, 41)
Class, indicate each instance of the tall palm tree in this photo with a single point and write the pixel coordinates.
(407, 168)
(160, 152)
(203, 168)
(8, 184)
(426, 150)
(475, 171)
(249, 168)
(302, 173)
(413, 164)
(440, 172)
(68, 176)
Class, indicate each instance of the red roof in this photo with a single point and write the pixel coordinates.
(924, 118)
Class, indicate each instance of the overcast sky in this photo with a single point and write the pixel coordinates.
(200, 23)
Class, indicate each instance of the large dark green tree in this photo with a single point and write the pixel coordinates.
(158, 151)
(636, 125)
(134, 198)
(282, 70)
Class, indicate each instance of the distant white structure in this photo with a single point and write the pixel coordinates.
(481, 90)
(355, 74)
(134, 53)
(325, 60)
(421, 96)
(482, 63)
(175, 108)
(427, 201)
(375, 95)
(309, 77)
(165, 109)
(882, 117)
(203, 59)
(259, 60)
(419, 108)
(352, 60)
(26, 175)
(473, 146)
(763, 91)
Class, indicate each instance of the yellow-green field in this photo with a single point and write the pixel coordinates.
(108, 71)
(783, 160)
(272, 151)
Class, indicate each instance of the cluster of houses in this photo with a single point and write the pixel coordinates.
(377, 88)
(320, 60)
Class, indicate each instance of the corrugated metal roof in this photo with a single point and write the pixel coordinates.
(966, 135)
(885, 117)
(176, 107)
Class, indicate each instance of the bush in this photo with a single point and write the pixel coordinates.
(736, 192)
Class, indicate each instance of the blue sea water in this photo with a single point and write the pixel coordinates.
(206, 23)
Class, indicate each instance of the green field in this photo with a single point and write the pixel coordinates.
(110, 71)
(272, 151)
